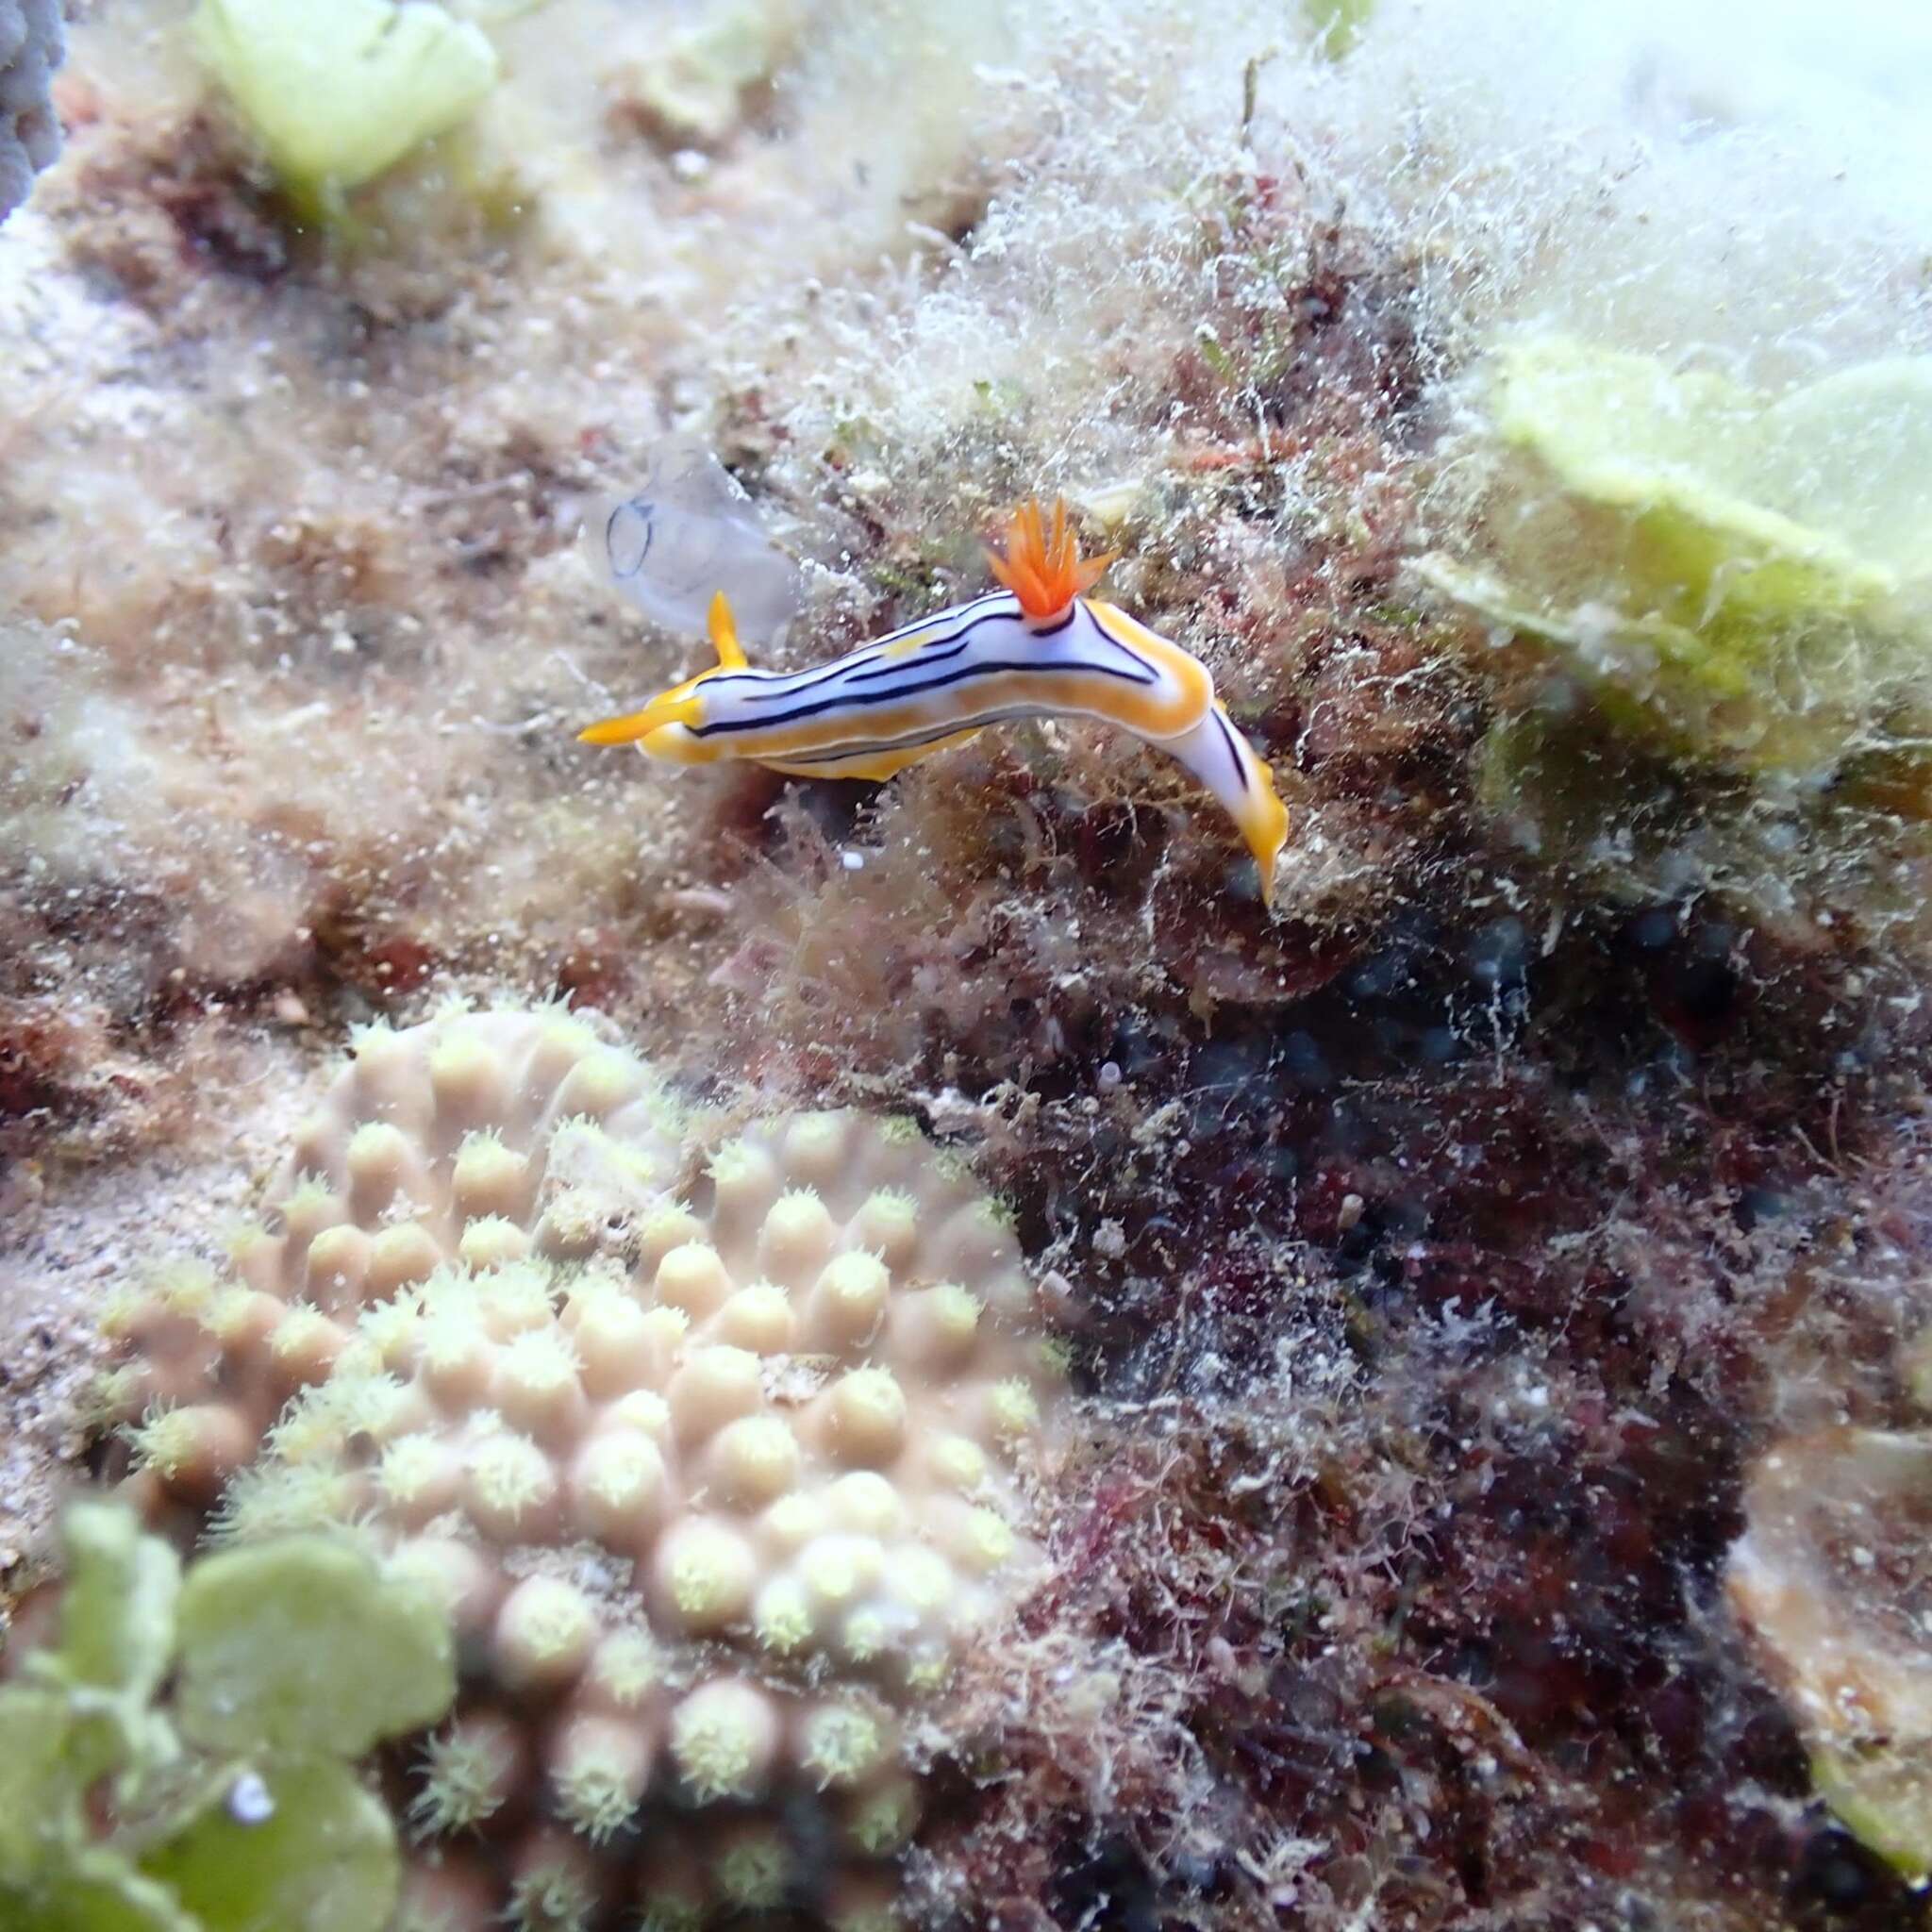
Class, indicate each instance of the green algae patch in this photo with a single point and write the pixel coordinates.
(695, 86)
(302, 1847)
(1740, 580)
(99, 1891)
(1883, 1797)
(303, 1646)
(338, 94)
(53, 1752)
(233, 1804)
(116, 1636)
(121, 1591)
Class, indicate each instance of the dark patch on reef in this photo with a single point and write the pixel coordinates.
(1454, 1632)
(177, 204)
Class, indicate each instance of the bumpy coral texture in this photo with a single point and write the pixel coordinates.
(715, 1459)
(30, 47)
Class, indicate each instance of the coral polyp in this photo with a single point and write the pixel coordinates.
(712, 1449)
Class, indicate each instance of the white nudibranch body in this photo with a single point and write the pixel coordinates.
(1037, 648)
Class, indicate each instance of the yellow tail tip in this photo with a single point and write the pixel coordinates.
(1265, 832)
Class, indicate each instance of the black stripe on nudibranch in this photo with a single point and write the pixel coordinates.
(1234, 750)
(995, 667)
(940, 650)
(778, 688)
(827, 757)
(1102, 635)
(954, 645)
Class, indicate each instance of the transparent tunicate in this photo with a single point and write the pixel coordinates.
(687, 532)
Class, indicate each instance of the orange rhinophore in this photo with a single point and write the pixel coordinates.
(1044, 575)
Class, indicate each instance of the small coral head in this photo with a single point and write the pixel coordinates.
(1045, 571)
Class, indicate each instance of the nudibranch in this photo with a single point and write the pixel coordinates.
(1037, 647)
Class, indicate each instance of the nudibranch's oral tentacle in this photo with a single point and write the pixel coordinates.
(1039, 649)
(677, 707)
(680, 706)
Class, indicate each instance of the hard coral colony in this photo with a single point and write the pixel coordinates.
(1039, 647)
(714, 1449)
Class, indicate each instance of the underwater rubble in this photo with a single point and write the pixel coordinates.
(1484, 1287)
